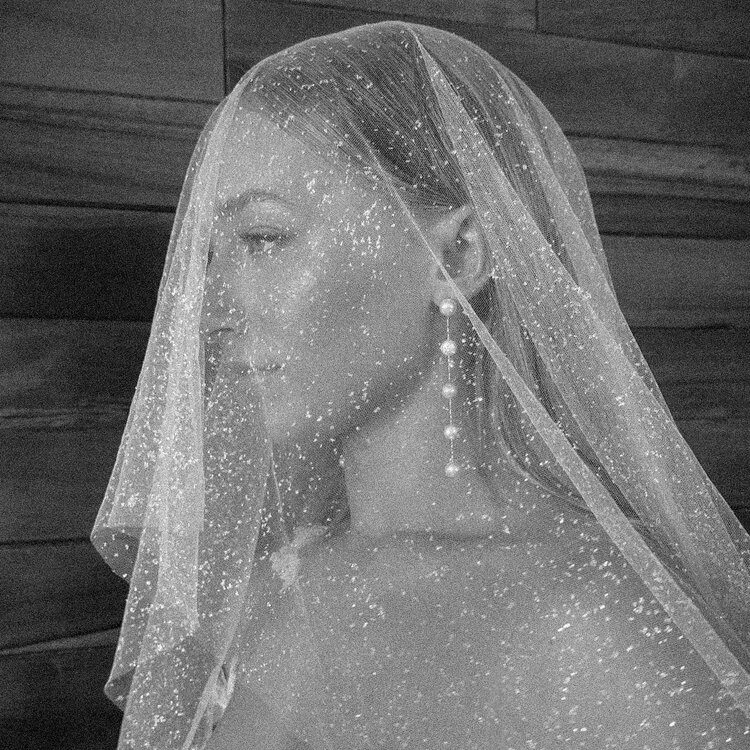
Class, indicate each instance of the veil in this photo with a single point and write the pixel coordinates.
(204, 514)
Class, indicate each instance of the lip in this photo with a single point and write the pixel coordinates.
(264, 368)
(245, 367)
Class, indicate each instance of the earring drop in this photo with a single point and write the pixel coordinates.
(448, 348)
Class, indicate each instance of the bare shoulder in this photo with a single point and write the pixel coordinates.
(566, 641)
(615, 660)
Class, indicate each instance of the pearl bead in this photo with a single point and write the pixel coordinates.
(448, 306)
(449, 390)
(450, 431)
(448, 347)
(451, 469)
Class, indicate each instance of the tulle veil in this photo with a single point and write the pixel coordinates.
(194, 477)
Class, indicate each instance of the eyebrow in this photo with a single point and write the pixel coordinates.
(248, 196)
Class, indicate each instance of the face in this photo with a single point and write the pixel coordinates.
(315, 272)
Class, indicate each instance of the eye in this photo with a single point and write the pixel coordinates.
(262, 241)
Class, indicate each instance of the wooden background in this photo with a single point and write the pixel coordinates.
(102, 103)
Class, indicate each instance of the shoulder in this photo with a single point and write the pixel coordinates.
(619, 663)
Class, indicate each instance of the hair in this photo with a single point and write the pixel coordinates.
(365, 92)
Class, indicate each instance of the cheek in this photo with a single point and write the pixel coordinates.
(363, 300)
(371, 328)
(335, 301)
(354, 319)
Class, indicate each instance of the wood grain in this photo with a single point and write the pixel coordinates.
(103, 149)
(56, 365)
(700, 25)
(638, 213)
(723, 450)
(67, 387)
(512, 14)
(55, 590)
(629, 167)
(642, 188)
(590, 87)
(681, 282)
(702, 373)
(55, 699)
(62, 262)
(54, 471)
(95, 639)
(171, 48)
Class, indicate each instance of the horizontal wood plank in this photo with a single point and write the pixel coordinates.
(58, 365)
(681, 282)
(62, 262)
(171, 48)
(665, 189)
(67, 387)
(56, 590)
(512, 14)
(590, 87)
(700, 25)
(96, 639)
(630, 167)
(78, 147)
(54, 471)
(638, 213)
(55, 699)
(723, 450)
(702, 373)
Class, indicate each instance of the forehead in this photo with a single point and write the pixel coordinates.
(260, 156)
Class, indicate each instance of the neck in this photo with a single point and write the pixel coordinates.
(394, 467)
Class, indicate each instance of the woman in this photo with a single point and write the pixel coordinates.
(396, 473)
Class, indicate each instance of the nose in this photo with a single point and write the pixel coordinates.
(219, 321)
(225, 303)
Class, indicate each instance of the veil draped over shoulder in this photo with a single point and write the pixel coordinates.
(199, 511)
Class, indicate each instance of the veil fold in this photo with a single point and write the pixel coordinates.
(195, 486)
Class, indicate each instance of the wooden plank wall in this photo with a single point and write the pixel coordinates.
(101, 105)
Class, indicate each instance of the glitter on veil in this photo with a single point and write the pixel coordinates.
(200, 512)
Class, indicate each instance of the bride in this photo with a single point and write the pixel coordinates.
(396, 474)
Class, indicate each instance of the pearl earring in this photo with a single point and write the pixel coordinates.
(448, 348)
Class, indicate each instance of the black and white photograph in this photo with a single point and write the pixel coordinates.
(375, 375)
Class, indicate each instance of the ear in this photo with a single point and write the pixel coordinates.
(459, 243)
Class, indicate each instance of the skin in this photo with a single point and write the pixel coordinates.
(347, 302)
(344, 294)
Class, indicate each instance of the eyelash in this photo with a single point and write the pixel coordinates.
(264, 236)
(252, 236)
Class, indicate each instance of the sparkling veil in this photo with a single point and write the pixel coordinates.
(197, 501)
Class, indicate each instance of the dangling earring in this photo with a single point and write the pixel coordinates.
(448, 348)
